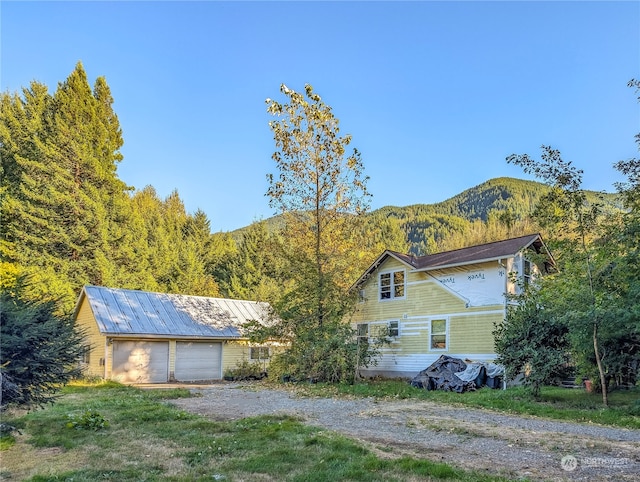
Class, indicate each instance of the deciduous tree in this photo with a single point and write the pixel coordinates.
(320, 190)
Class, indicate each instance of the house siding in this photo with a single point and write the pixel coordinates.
(233, 353)
(469, 298)
(86, 322)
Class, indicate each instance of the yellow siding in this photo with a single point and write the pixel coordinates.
(469, 328)
(86, 322)
(472, 334)
(233, 354)
(423, 297)
(172, 359)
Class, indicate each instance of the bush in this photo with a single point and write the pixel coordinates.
(329, 353)
(39, 351)
(245, 370)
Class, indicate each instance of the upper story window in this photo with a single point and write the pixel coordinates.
(392, 285)
(527, 272)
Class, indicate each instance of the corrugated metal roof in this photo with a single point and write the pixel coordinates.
(132, 312)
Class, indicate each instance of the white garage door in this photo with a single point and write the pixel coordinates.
(198, 361)
(141, 361)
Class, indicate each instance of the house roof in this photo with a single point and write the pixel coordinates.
(464, 256)
(132, 312)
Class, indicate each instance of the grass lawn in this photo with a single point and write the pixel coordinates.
(111, 432)
(573, 405)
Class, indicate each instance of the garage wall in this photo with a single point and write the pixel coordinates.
(233, 353)
(94, 339)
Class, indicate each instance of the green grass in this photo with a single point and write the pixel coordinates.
(557, 403)
(147, 439)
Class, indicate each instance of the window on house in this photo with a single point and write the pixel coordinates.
(392, 285)
(438, 335)
(363, 332)
(86, 355)
(526, 272)
(394, 328)
(259, 353)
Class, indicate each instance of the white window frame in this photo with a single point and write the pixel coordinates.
(260, 350)
(446, 333)
(362, 332)
(392, 330)
(527, 272)
(392, 286)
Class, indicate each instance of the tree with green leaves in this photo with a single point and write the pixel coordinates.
(39, 350)
(65, 210)
(321, 192)
(532, 341)
(573, 224)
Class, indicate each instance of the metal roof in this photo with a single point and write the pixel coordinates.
(132, 312)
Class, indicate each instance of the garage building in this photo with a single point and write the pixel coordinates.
(142, 337)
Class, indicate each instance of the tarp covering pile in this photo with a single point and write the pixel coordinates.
(455, 375)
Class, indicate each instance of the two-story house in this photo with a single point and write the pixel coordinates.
(444, 303)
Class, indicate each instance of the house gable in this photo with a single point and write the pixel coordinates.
(450, 304)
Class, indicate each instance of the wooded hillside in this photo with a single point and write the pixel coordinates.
(68, 220)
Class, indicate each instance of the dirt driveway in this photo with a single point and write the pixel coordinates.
(511, 446)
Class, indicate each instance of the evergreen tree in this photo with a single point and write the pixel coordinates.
(255, 271)
(39, 351)
(63, 203)
(33, 189)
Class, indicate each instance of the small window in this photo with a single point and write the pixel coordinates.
(361, 296)
(392, 285)
(438, 335)
(259, 353)
(394, 328)
(363, 332)
(526, 269)
(86, 355)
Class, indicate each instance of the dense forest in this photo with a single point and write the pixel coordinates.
(68, 220)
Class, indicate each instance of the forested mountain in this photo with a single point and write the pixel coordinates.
(68, 220)
(493, 210)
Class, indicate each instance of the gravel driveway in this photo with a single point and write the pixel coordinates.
(507, 445)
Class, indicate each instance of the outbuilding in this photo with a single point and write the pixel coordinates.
(143, 337)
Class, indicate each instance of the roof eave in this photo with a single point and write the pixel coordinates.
(464, 263)
(153, 336)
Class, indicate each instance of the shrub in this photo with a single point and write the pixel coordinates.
(245, 370)
(39, 351)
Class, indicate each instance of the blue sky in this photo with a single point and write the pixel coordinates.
(435, 94)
